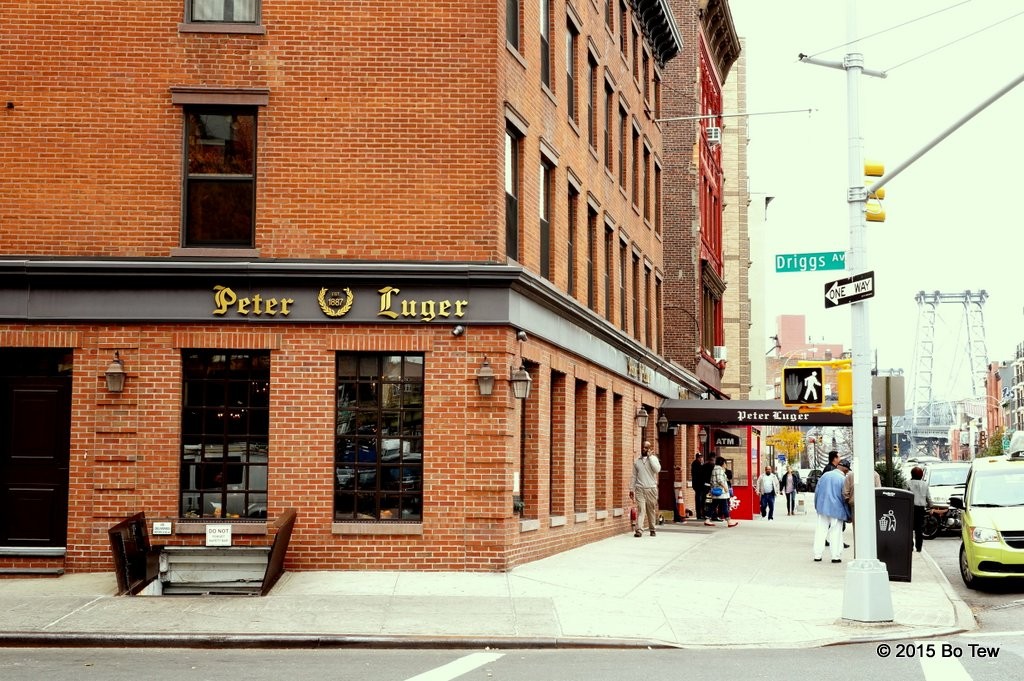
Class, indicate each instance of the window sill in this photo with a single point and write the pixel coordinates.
(377, 528)
(514, 51)
(239, 526)
(581, 518)
(203, 27)
(557, 520)
(616, 512)
(531, 525)
(600, 515)
(202, 252)
(549, 94)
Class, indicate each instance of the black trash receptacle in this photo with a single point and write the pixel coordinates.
(894, 530)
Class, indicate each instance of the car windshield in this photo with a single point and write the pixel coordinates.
(947, 475)
(998, 488)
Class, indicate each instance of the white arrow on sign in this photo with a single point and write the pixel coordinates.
(850, 290)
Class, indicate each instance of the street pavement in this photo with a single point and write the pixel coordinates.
(750, 586)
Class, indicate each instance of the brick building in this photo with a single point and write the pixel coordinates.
(308, 235)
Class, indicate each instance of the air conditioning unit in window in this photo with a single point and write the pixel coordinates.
(714, 135)
(720, 353)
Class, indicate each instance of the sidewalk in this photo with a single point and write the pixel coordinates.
(751, 586)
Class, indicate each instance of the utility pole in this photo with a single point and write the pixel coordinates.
(867, 596)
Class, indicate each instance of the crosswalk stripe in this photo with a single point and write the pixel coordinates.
(457, 668)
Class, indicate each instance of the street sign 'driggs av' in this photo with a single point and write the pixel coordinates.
(810, 262)
(850, 290)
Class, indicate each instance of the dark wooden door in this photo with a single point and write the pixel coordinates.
(35, 428)
(666, 479)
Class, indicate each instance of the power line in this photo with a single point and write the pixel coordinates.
(891, 28)
(953, 42)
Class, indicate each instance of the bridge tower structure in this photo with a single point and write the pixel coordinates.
(931, 418)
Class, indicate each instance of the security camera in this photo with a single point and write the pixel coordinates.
(521, 335)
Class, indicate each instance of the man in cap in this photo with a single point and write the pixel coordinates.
(832, 512)
(848, 489)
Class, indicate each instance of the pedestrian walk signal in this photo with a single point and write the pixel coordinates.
(803, 386)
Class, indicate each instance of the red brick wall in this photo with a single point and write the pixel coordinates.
(371, 105)
(384, 129)
(125, 448)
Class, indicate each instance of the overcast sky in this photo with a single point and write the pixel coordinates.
(952, 217)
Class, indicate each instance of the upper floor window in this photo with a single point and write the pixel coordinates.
(623, 28)
(544, 210)
(513, 145)
(223, 11)
(512, 23)
(571, 35)
(220, 176)
(592, 100)
(545, 42)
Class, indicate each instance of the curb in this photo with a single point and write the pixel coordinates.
(964, 616)
(308, 641)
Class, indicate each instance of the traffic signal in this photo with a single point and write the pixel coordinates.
(844, 387)
(873, 206)
(803, 386)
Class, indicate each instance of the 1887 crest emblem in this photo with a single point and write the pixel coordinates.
(335, 303)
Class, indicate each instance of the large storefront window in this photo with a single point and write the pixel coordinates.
(378, 446)
(224, 433)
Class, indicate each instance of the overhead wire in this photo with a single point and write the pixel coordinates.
(891, 28)
(953, 42)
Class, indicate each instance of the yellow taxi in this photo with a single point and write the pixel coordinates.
(992, 526)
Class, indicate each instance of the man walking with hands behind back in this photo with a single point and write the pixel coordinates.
(644, 489)
(768, 488)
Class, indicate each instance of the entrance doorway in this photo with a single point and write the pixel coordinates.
(35, 443)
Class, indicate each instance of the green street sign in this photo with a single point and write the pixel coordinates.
(810, 262)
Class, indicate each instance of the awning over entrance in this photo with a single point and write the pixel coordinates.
(746, 413)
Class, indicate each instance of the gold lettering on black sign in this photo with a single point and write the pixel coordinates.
(224, 299)
(426, 310)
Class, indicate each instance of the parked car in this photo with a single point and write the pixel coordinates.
(945, 478)
(812, 480)
(992, 525)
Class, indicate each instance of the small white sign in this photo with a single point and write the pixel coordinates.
(218, 535)
(161, 528)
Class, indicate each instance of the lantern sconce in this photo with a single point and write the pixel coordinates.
(485, 378)
(520, 378)
(115, 374)
(641, 417)
(521, 382)
(662, 424)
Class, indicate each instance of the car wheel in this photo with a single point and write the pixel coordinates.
(971, 581)
(930, 527)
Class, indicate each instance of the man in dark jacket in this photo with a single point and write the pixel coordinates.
(833, 459)
(697, 481)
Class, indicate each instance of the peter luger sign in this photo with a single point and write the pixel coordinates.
(337, 303)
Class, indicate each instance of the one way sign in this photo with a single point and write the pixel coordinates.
(850, 290)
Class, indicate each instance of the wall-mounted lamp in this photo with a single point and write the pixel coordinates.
(458, 330)
(641, 417)
(485, 378)
(521, 382)
(115, 374)
(662, 424)
(703, 437)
